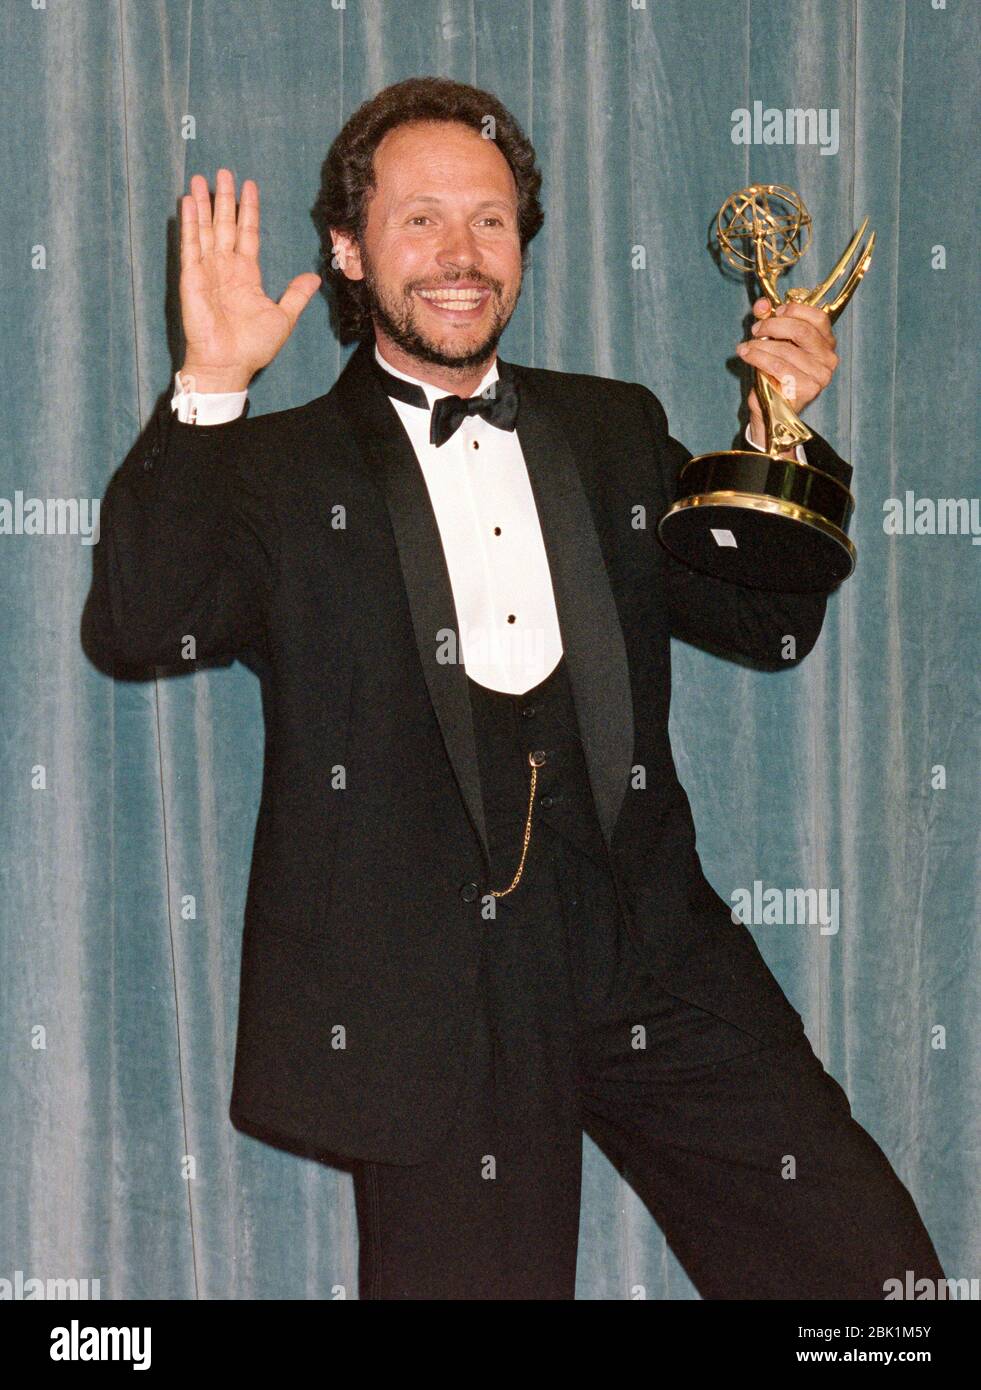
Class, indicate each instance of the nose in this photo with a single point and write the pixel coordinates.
(458, 248)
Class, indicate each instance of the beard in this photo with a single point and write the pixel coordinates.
(397, 314)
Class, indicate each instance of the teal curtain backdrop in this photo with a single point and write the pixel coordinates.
(857, 771)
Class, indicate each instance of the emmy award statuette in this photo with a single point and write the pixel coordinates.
(755, 518)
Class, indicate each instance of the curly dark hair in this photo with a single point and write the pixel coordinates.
(347, 174)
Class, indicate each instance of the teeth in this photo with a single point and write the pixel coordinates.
(463, 297)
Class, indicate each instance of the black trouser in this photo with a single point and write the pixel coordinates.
(746, 1154)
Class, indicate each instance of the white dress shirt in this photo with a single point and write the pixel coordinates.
(488, 523)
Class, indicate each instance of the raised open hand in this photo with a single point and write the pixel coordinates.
(231, 327)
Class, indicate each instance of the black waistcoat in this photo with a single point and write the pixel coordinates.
(507, 728)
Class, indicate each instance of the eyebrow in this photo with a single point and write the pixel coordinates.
(431, 198)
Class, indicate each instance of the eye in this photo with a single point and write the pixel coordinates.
(419, 217)
(491, 218)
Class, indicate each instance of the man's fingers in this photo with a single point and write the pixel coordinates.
(224, 219)
(806, 313)
(784, 358)
(190, 241)
(202, 233)
(805, 335)
(247, 236)
(788, 361)
(298, 294)
(793, 333)
(202, 202)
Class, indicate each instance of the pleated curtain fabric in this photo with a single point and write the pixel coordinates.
(127, 807)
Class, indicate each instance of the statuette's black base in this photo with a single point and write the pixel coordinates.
(762, 522)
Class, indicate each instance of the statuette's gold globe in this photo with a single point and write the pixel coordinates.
(768, 212)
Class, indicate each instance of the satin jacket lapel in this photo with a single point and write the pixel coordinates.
(592, 638)
(374, 421)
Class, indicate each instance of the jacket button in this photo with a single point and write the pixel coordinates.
(147, 464)
(545, 802)
(469, 892)
(528, 710)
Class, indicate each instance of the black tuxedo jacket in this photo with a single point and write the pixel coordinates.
(305, 541)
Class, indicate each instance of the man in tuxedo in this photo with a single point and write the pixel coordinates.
(476, 922)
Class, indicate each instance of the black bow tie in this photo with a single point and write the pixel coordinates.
(498, 403)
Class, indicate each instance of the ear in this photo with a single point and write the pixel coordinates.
(347, 254)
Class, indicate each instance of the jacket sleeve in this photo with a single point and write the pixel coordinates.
(187, 547)
(753, 623)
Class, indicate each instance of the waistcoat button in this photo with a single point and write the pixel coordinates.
(469, 892)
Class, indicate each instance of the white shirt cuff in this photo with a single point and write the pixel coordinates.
(801, 456)
(206, 407)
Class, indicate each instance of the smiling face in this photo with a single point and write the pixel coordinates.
(441, 256)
